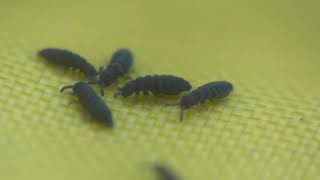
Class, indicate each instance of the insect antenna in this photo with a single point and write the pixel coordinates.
(66, 87)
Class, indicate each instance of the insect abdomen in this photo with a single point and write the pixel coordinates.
(68, 59)
(219, 89)
(169, 85)
(99, 110)
(157, 84)
(209, 91)
(123, 57)
(60, 56)
(93, 104)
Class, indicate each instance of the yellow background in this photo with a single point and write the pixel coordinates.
(267, 129)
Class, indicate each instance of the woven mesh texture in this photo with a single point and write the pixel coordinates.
(267, 129)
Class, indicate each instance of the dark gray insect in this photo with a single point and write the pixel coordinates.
(156, 84)
(69, 59)
(94, 105)
(120, 64)
(165, 173)
(210, 91)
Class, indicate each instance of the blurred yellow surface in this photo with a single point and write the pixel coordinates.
(267, 129)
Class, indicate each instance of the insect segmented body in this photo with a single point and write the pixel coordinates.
(94, 105)
(156, 84)
(120, 64)
(211, 91)
(69, 59)
(165, 173)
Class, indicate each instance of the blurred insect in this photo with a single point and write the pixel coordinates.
(165, 173)
(156, 84)
(211, 91)
(94, 105)
(120, 64)
(69, 59)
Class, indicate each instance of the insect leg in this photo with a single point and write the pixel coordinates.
(205, 106)
(172, 104)
(102, 89)
(146, 94)
(218, 100)
(181, 114)
(202, 103)
(160, 95)
(135, 98)
(198, 107)
(100, 69)
(117, 93)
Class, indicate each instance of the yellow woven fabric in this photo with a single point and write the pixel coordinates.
(267, 129)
